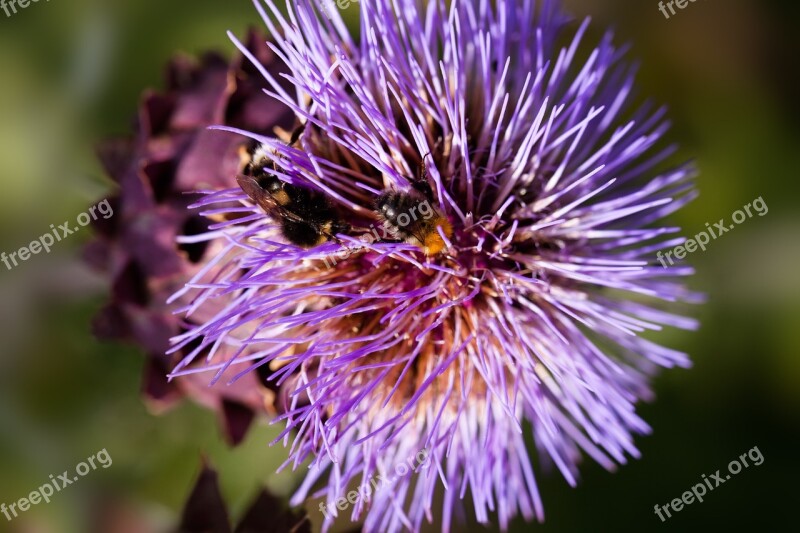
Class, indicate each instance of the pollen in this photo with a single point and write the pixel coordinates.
(434, 243)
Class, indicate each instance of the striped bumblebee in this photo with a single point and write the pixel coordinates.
(413, 216)
(306, 216)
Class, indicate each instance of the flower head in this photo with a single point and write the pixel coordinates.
(171, 154)
(522, 314)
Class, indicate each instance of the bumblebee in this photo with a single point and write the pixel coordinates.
(306, 216)
(413, 217)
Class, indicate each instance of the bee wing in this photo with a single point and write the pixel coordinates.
(261, 197)
(265, 200)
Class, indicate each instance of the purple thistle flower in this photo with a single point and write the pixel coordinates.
(553, 184)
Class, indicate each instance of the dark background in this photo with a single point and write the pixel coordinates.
(72, 73)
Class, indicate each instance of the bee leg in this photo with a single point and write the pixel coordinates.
(298, 131)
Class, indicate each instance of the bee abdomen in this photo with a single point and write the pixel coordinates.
(303, 234)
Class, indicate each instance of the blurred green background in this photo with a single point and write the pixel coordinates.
(72, 73)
